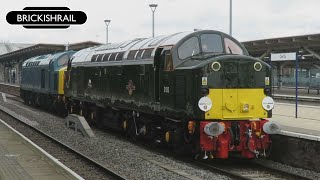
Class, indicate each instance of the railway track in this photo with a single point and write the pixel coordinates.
(235, 169)
(248, 170)
(79, 163)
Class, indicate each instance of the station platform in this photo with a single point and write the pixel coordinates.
(306, 125)
(19, 160)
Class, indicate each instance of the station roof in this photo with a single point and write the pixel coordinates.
(41, 49)
(306, 44)
(26, 53)
(6, 47)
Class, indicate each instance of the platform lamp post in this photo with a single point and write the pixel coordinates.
(230, 20)
(107, 22)
(153, 9)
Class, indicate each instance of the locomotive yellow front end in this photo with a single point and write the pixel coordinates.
(236, 102)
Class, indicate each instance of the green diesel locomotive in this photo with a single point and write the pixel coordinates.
(198, 92)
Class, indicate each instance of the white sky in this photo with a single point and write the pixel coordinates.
(252, 19)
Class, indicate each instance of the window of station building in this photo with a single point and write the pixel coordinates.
(132, 54)
(119, 56)
(113, 56)
(232, 47)
(147, 53)
(189, 48)
(211, 43)
(63, 61)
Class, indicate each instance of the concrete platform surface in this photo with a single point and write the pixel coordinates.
(18, 161)
(307, 123)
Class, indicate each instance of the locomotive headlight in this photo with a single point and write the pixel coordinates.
(271, 127)
(257, 66)
(214, 129)
(216, 66)
(205, 104)
(268, 103)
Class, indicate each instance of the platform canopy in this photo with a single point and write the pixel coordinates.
(7, 47)
(41, 49)
(308, 46)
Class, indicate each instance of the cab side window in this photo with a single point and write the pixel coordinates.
(189, 48)
(63, 61)
(232, 47)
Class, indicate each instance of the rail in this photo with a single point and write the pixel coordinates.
(248, 170)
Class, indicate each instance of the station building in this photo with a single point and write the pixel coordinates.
(307, 48)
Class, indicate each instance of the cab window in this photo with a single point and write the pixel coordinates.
(189, 48)
(63, 60)
(232, 47)
(211, 43)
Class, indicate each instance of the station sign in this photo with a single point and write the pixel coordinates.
(283, 56)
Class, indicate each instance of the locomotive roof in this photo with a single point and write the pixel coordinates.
(38, 60)
(141, 50)
(42, 59)
(151, 43)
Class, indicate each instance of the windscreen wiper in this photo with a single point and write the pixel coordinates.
(230, 49)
